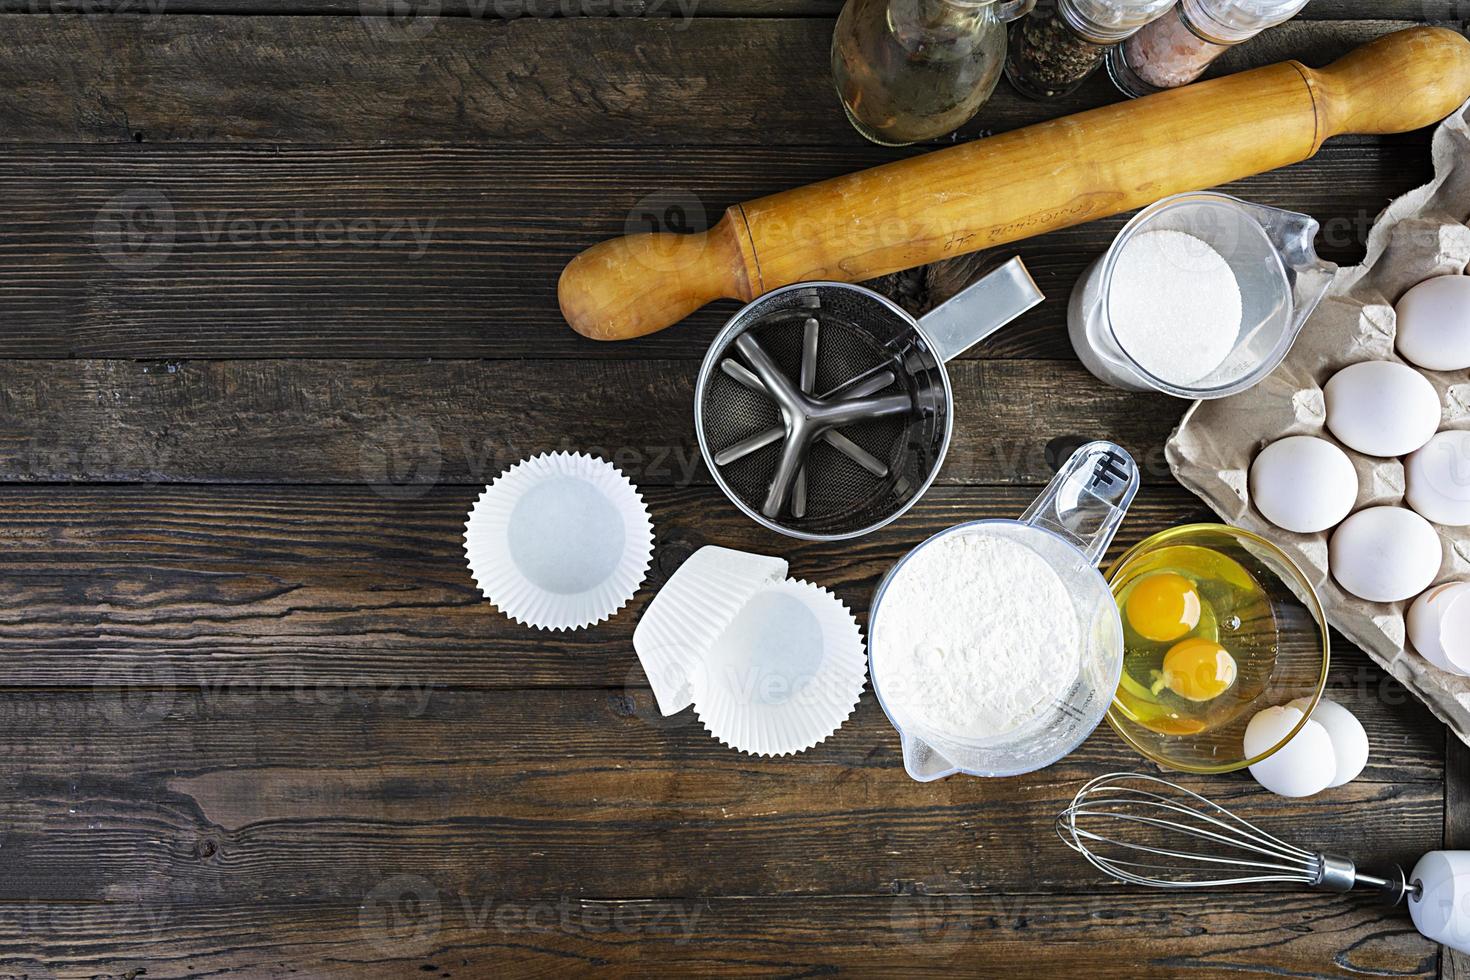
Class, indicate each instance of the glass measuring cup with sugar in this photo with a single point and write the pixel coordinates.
(1268, 252)
(1062, 535)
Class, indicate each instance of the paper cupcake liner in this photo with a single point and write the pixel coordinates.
(784, 674)
(687, 616)
(560, 541)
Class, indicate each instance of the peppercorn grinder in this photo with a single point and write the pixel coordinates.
(824, 409)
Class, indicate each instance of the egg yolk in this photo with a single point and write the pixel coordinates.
(1198, 669)
(1163, 607)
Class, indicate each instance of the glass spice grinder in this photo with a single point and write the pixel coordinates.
(1063, 42)
(912, 70)
(1176, 49)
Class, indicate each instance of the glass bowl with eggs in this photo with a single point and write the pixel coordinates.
(1218, 625)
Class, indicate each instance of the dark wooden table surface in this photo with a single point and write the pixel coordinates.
(277, 294)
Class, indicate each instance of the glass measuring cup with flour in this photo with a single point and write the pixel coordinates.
(1201, 295)
(995, 646)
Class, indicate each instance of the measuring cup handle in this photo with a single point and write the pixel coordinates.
(980, 309)
(1088, 498)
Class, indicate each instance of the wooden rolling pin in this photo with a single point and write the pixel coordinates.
(1003, 188)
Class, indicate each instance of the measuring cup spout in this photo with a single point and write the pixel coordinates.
(1088, 498)
(980, 309)
(922, 762)
(1294, 235)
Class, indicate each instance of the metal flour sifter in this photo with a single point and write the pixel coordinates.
(824, 410)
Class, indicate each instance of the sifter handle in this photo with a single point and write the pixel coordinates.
(980, 309)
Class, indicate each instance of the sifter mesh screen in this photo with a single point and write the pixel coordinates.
(858, 335)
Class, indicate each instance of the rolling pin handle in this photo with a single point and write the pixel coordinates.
(1365, 90)
(631, 286)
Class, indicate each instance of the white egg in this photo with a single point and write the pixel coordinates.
(1349, 740)
(1304, 766)
(1382, 408)
(1434, 324)
(1385, 554)
(1303, 484)
(1438, 479)
(1439, 627)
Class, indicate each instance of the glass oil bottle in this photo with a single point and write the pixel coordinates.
(913, 70)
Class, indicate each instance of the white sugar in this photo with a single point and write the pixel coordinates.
(1175, 305)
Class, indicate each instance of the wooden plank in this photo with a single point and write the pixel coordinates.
(175, 594)
(630, 81)
(1454, 965)
(670, 9)
(406, 425)
(200, 587)
(413, 928)
(276, 795)
(161, 252)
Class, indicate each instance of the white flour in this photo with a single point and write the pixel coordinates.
(976, 635)
(1175, 305)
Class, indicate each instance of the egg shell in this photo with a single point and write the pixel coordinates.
(1385, 554)
(1438, 479)
(1382, 408)
(1303, 484)
(1439, 627)
(1305, 766)
(1349, 739)
(1434, 324)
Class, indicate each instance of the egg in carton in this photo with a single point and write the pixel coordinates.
(1418, 237)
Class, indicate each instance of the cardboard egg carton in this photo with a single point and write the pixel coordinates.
(1420, 235)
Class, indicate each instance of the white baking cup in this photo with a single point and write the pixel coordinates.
(784, 674)
(687, 616)
(560, 541)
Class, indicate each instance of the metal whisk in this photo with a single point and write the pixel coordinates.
(1147, 831)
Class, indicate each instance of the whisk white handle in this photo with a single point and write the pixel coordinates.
(1440, 898)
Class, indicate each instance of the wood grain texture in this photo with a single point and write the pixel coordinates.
(257, 721)
(158, 252)
(645, 82)
(404, 425)
(411, 928)
(1439, 10)
(1456, 965)
(281, 795)
(200, 588)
